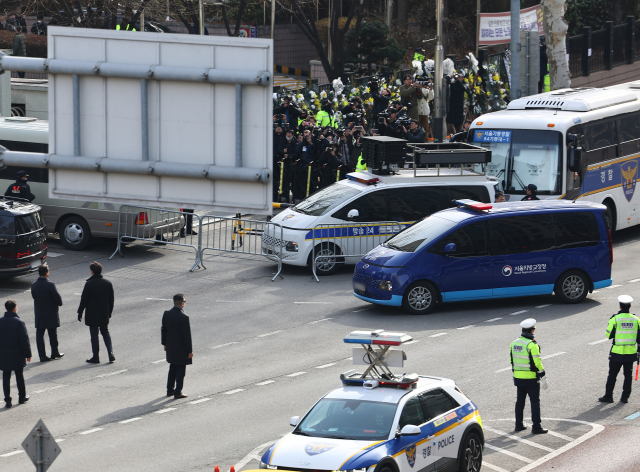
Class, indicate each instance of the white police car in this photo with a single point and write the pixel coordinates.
(409, 423)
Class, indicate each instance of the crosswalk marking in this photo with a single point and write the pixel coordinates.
(598, 342)
(493, 467)
(518, 312)
(11, 453)
(509, 453)
(502, 370)
(552, 355)
(634, 280)
(517, 438)
(613, 286)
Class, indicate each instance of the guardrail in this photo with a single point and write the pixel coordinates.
(347, 243)
(242, 237)
(139, 224)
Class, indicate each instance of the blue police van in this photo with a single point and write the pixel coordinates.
(479, 251)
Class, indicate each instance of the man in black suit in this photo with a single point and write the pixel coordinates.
(15, 352)
(46, 301)
(97, 298)
(176, 339)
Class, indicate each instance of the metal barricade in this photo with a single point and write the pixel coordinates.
(347, 243)
(242, 237)
(168, 229)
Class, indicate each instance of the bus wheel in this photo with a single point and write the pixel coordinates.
(572, 286)
(74, 233)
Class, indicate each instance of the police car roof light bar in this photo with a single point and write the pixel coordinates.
(473, 205)
(355, 178)
(379, 337)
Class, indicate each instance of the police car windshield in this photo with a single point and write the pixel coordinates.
(326, 199)
(420, 234)
(348, 419)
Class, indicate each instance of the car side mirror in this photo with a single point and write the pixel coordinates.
(575, 159)
(353, 214)
(294, 420)
(449, 248)
(410, 430)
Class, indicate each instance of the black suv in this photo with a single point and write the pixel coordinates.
(23, 237)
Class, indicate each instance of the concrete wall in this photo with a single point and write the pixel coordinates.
(604, 78)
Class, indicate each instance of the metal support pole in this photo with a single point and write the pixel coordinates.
(273, 18)
(389, 16)
(76, 115)
(39, 460)
(527, 56)
(142, 21)
(144, 118)
(201, 22)
(439, 114)
(515, 49)
(477, 27)
(238, 125)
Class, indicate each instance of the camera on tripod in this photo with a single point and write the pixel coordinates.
(382, 116)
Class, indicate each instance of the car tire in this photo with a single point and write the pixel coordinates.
(470, 459)
(75, 233)
(385, 468)
(572, 287)
(420, 298)
(327, 266)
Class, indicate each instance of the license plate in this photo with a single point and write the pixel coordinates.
(359, 286)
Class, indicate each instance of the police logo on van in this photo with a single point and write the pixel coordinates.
(507, 271)
(314, 449)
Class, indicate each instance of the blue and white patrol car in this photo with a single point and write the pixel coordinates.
(413, 423)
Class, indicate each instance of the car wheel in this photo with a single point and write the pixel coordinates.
(471, 454)
(420, 298)
(75, 233)
(572, 287)
(326, 262)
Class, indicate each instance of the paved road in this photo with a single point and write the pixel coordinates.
(265, 351)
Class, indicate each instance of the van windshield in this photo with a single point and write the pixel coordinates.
(326, 199)
(420, 234)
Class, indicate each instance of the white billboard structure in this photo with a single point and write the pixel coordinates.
(156, 119)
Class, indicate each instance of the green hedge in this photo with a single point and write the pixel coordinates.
(36, 45)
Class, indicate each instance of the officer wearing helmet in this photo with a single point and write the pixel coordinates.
(20, 189)
(528, 375)
(532, 189)
(623, 329)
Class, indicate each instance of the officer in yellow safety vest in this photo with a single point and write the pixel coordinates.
(623, 329)
(325, 116)
(528, 375)
(361, 166)
(419, 56)
(128, 26)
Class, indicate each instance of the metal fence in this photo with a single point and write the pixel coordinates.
(619, 45)
(636, 43)
(598, 42)
(574, 49)
(242, 237)
(347, 243)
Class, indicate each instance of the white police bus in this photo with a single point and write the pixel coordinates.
(581, 143)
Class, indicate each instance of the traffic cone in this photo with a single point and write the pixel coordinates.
(217, 469)
(233, 469)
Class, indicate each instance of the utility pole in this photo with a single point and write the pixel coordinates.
(439, 115)
(201, 22)
(329, 46)
(515, 49)
(477, 27)
(142, 21)
(273, 18)
(389, 15)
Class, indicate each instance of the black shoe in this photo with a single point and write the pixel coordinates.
(539, 430)
(45, 359)
(170, 393)
(193, 233)
(624, 399)
(93, 360)
(180, 395)
(112, 358)
(160, 240)
(7, 404)
(58, 355)
(520, 427)
(606, 399)
(23, 400)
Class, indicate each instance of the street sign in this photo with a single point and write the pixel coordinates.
(41, 447)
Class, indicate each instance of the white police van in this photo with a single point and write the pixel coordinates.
(352, 216)
(379, 422)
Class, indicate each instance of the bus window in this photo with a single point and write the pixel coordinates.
(537, 159)
(600, 141)
(628, 134)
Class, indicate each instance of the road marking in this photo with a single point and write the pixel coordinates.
(111, 373)
(518, 312)
(633, 417)
(11, 453)
(77, 294)
(502, 370)
(561, 436)
(598, 342)
(60, 440)
(509, 453)
(160, 299)
(224, 345)
(231, 392)
(54, 254)
(552, 355)
(491, 320)
(295, 374)
(596, 291)
(466, 327)
(195, 402)
(613, 286)
(159, 412)
(50, 388)
(544, 306)
(411, 342)
(311, 303)
(436, 335)
(634, 280)
(266, 382)
(329, 365)
(358, 311)
(517, 438)
(269, 334)
(157, 362)
(130, 420)
(228, 301)
(323, 319)
(253, 455)
(91, 431)
(493, 467)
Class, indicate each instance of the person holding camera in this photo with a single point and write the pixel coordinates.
(387, 123)
(289, 111)
(380, 102)
(345, 145)
(400, 109)
(414, 133)
(410, 93)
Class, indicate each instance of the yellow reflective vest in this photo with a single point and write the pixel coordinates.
(325, 119)
(361, 166)
(626, 333)
(525, 358)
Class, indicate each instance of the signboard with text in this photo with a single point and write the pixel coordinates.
(495, 28)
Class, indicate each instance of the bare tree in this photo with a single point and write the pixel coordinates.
(555, 31)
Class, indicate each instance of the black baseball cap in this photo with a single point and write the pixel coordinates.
(22, 173)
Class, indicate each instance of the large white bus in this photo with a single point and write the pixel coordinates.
(581, 143)
(76, 221)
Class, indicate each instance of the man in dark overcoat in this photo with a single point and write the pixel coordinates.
(46, 301)
(176, 339)
(97, 298)
(15, 352)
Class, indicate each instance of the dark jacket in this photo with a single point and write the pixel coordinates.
(380, 103)
(46, 301)
(531, 197)
(279, 145)
(304, 151)
(19, 44)
(456, 104)
(97, 298)
(20, 189)
(390, 129)
(293, 111)
(39, 28)
(176, 336)
(416, 136)
(15, 348)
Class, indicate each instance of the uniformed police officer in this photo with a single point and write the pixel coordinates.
(21, 188)
(623, 329)
(528, 374)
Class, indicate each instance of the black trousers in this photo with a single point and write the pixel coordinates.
(188, 225)
(53, 340)
(176, 378)
(95, 342)
(534, 398)
(6, 382)
(614, 369)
